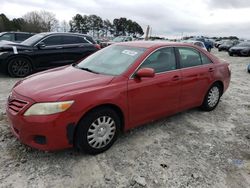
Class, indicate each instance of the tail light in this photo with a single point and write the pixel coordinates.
(98, 46)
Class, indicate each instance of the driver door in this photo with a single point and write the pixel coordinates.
(151, 98)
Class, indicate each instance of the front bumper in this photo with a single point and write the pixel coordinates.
(48, 133)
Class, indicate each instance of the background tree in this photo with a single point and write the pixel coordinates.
(64, 26)
(42, 21)
(96, 24)
(5, 23)
(79, 24)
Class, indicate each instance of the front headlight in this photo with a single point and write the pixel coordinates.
(48, 108)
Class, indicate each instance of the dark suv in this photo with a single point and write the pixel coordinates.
(43, 51)
(15, 36)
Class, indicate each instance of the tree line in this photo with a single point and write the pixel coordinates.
(34, 21)
(44, 21)
(97, 26)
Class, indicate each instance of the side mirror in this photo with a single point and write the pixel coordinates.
(145, 72)
(41, 45)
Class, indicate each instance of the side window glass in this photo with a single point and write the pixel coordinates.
(53, 40)
(70, 40)
(81, 40)
(8, 37)
(189, 57)
(205, 59)
(22, 37)
(161, 61)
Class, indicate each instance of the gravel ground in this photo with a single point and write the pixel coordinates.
(190, 149)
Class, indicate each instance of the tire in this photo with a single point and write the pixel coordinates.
(92, 132)
(230, 54)
(219, 49)
(209, 49)
(212, 97)
(19, 67)
(248, 68)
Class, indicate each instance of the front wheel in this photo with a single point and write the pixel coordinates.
(19, 67)
(97, 131)
(212, 98)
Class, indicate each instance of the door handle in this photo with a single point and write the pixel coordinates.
(211, 70)
(176, 78)
(59, 47)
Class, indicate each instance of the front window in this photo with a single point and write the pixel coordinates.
(113, 60)
(161, 61)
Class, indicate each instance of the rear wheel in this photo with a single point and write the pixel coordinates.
(19, 67)
(212, 97)
(97, 131)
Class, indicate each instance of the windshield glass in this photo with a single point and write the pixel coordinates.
(32, 40)
(113, 60)
(118, 39)
(244, 44)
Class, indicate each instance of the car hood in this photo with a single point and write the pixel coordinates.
(56, 83)
(12, 46)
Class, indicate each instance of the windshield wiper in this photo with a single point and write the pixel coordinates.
(86, 69)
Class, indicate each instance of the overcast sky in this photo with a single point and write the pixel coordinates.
(171, 18)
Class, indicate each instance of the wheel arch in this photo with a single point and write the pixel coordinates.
(220, 83)
(114, 107)
(19, 56)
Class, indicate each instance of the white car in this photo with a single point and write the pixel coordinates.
(197, 43)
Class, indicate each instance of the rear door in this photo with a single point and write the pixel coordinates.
(77, 47)
(151, 98)
(197, 75)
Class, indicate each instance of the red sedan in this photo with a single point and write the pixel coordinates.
(86, 105)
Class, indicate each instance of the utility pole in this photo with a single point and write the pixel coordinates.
(147, 32)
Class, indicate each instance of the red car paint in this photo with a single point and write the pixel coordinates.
(139, 101)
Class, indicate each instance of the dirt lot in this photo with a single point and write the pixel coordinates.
(190, 149)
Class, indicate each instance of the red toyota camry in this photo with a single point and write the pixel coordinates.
(86, 105)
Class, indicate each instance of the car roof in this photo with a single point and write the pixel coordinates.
(16, 32)
(153, 44)
(63, 33)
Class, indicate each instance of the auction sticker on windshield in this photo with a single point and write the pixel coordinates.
(129, 52)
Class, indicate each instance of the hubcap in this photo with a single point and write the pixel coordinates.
(101, 132)
(20, 67)
(213, 96)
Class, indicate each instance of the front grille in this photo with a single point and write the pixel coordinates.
(16, 105)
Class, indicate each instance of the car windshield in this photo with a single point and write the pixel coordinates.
(32, 40)
(244, 44)
(118, 39)
(113, 60)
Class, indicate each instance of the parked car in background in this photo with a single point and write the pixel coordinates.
(43, 51)
(208, 43)
(15, 36)
(116, 40)
(218, 43)
(242, 49)
(225, 46)
(197, 43)
(86, 105)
